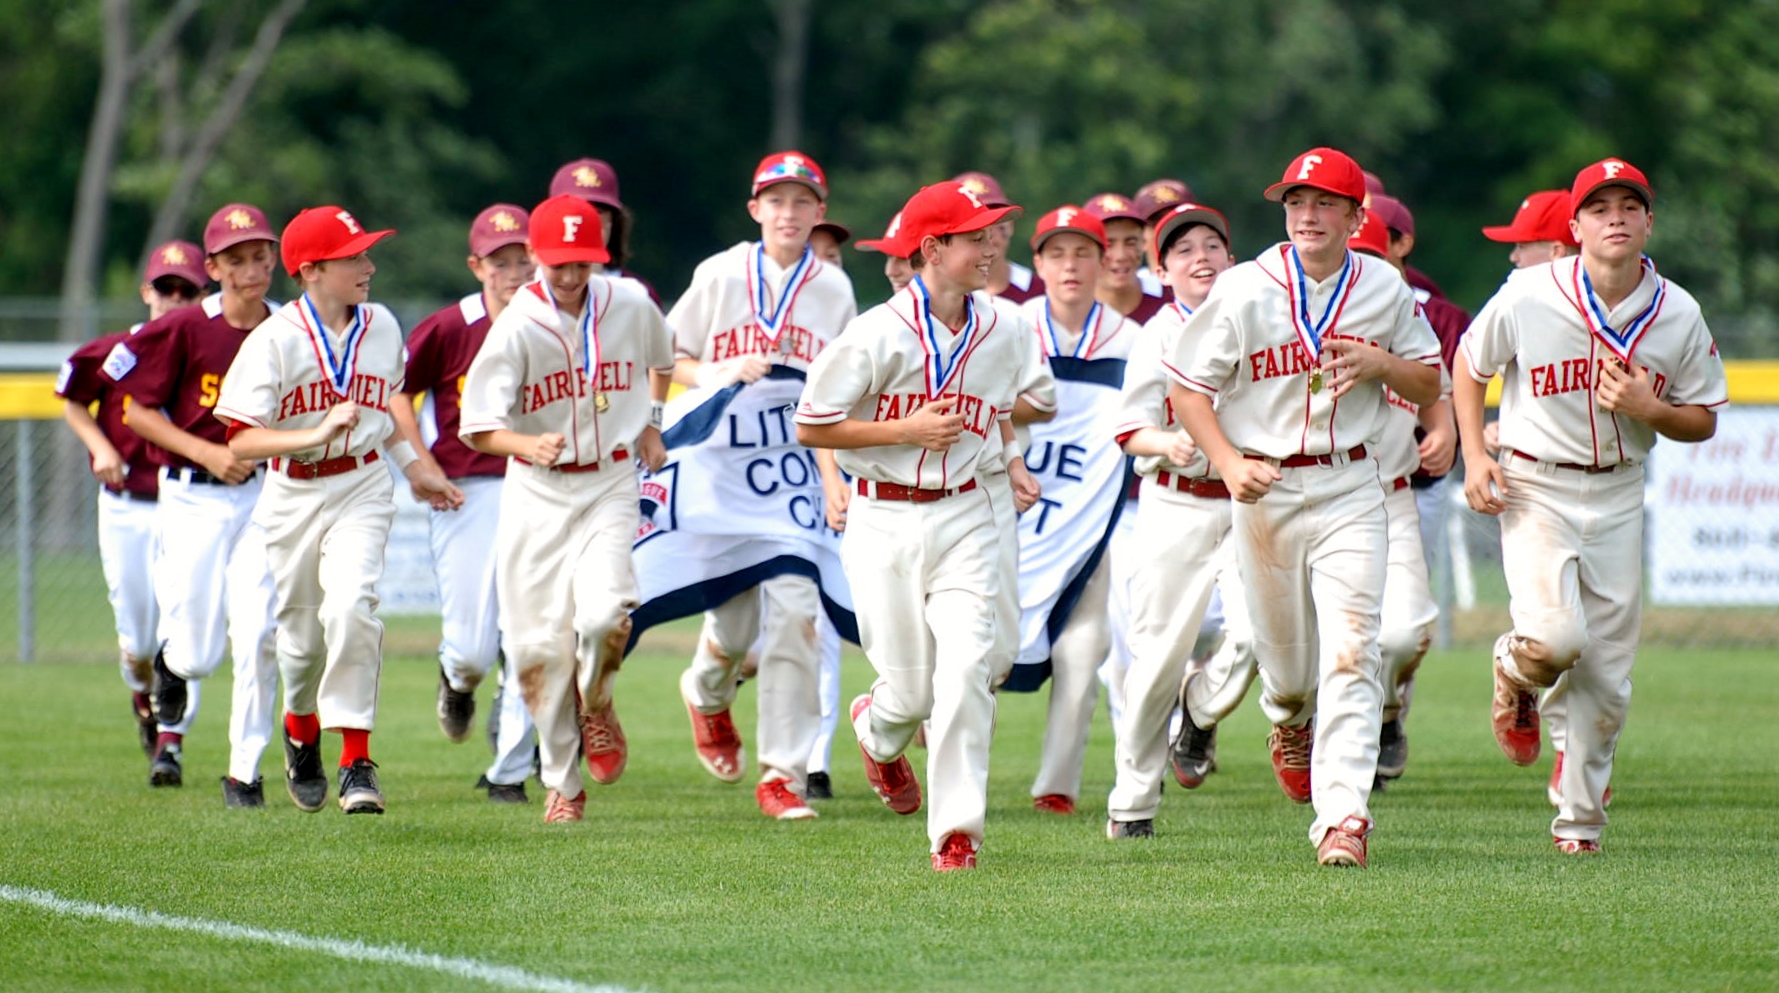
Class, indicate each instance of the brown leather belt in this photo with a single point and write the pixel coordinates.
(911, 494)
(618, 455)
(1591, 470)
(1299, 461)
(324, 468)
(1210, 489)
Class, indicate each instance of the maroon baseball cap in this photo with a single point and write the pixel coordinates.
(986, 187)
(790, 167)
(947, 208)
(593, 180)
(1373, 185)
(1609, 172)
(1068, 217)
(1393, 212)
(838, 232)
(1543, 216)
(234, 224)
(1157, 196)
(177, 258)
(1113, 206)
(1182, 215)
(322, 233)
(1328, 169)
(566, 229)
(497, 227)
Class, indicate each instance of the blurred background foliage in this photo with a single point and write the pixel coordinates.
(417, 113)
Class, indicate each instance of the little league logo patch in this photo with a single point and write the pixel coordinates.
(119, 363)
(655, 497)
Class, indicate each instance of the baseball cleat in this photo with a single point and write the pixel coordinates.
(168, 691)
(558, 810)
(237, 795)
(603, 745)
(714, 738)
(777, 801)
(1054, 803)
(503, 792)
(893, 782)
(1553, 793)
(359, 793)
(1344, 844)
(1515, 713)
(1392, 750)
(1130, 830)
(147, 728)
(956, 852)
(1290, 749)
(1191, 757)
(457, 711)
(304, 779)
(819, 787)
(1577, 846)
(164, 770)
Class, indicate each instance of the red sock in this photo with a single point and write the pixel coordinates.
(354, 745)
(304, 729)
(166, 738)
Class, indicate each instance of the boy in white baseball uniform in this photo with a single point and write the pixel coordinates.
(1086, 344)
(758, 310)
(439, 354)
(210, 577)
(560, 388)
(1284, 388)
(310, 391)
(96, 412)
(910, 396)
(1182, 527)
(1598, 355)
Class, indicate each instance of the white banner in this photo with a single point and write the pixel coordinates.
(1713, 523)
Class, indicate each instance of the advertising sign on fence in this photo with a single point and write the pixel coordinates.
(1713, 524)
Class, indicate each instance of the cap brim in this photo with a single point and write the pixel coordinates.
(1207, 218)
(1276, 192)
(1038, 240)
(989, 216)
(596, 199)
(873, 245)
(1577, 202)
(360, 244)
(1508, 234)
(489, 246)
(564, 256)
(234, 238)
(820, 191)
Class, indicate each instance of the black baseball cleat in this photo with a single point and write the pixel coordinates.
(503, 792)
(457, 711)
(1392, 750)
(1130, 830)
(358, 788)
(237, 795)
(168, 691)
(819, 787)
(1191, 757)
(164, 770)
(147, 728)
(303, 775)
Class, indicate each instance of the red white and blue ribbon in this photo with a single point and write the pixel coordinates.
(1090, 333)
(1593, 312)
(771, 319)
(942, 362)
(338, 369)
(1309, 331)
(1184, 311)
(588, 323)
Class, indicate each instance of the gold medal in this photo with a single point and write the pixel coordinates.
(1316, 381)
(785, 344)
(601, 402)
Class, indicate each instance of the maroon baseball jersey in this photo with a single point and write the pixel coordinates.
(176, 364)
(1146, 310)
(1423, 283)
(81, 382)
(439, 353)
(1449, 321)
(1022, 284)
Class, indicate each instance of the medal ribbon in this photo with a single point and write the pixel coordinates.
(1090, 333)
(589, 325)
(940, 367)
(1184, 311)
(772, 325)
(1297, 288)
(341, 370)
(1593, 312)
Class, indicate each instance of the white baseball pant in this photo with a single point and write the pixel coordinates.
(212, 582)
(782, 613)
(1006, 606)
(1312, 553)
(1076, 655)
(127, 548)
(1405, 627)
(925, 580)
(828, 687)
(1572, 548)
(463, 558)
(566, 586)
(1125, 556)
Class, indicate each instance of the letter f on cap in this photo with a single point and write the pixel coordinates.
(1310, 162)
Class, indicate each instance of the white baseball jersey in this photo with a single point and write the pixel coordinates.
(743, 303)
(1146, 388)
(1107, 334)
(1249, 357)
(541, 370)
(892, 359)
(1539, 332)
(291, 370)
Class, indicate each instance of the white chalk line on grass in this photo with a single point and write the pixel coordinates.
(506, 977)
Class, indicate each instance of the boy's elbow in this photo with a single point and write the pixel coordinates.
(808, 436)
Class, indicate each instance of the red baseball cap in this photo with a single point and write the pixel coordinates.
(322, 233)
(593, 180)
(790, 167)
(891, 243)
(1394, 213)
(497, 227)
(1068, 218)
(1608, 172)
(1327, 169)
(564, 229)
(946, 208)
(1112, 207)
(234, 224)
(1160, 195)
(177, 258)
(1543, 216)
(1182, 215)
(838, 232)
(986, 187)
(1373, 235)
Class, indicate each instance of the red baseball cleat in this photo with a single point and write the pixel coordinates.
(956, 852)
(1054, 803)
(778, 802)
(1344, 844)
(560, 811)
(715, 739)
(893, 782)
(1290, 749)
(1577, 846)
(1515, 713)
(603, 745)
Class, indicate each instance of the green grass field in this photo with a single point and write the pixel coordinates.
(676, 883)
